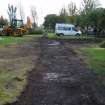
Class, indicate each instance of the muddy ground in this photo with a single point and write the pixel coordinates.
(16, 60)
(61, 77)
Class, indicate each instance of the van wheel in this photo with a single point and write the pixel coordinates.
(57, 34)
(77, 34)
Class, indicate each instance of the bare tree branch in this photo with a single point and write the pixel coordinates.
(21, 12)
(72, 9)
(12, 12)
(34, 15)
(89, 5)
(63, 12)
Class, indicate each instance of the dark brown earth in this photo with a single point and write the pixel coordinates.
(61, 78)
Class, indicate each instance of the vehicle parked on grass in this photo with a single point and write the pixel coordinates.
(66, 29)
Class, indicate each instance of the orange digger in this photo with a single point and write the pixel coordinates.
(15, 29)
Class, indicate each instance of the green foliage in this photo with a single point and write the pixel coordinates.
(52, 19)
(36, 32)
(3, 22)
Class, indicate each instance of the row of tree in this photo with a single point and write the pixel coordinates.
(3, 22)
(12, 13)
(90, 14)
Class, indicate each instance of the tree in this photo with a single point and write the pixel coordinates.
(3, 22)
(29, 23)
(72, 9)
(89, 16)
(12, 12)
(21, 11)
(89, 5)
(94, 19)
(63, 12)
(34, 16)
(50, 21)
(85, 18)
(62, 19)
(64, 15)
(97, 19)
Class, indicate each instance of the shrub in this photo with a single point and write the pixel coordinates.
(36, 32)
(102, 45)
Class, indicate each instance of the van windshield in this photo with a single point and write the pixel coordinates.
(74, 29)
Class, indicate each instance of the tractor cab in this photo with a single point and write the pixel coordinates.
(17, 23)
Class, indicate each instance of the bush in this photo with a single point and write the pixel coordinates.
(102, 45)
(36, 32)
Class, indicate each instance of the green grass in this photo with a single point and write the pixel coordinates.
(9, 40)
(9, 87)
(96, 59)
(53, 36)
(5, 40)
(14, 68)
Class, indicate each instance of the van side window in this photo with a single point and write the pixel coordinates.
(64, 28)
(60, 28)
(67, 28)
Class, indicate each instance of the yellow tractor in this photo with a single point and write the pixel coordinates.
(15, 29)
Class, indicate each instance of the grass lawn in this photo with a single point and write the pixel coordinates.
(96, 59)
(9, 86)
(14, 66)
(5, 40)
(81, 37)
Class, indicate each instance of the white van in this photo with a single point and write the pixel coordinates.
(66, 29)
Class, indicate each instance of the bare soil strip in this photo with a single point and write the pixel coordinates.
(61, 78)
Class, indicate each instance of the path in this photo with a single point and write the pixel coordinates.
(61, 78)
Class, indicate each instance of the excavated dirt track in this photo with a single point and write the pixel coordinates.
(61, 78)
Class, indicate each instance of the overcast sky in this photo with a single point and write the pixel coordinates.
(43, 7)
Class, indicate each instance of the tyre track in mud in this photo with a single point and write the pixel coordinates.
(61, 78)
